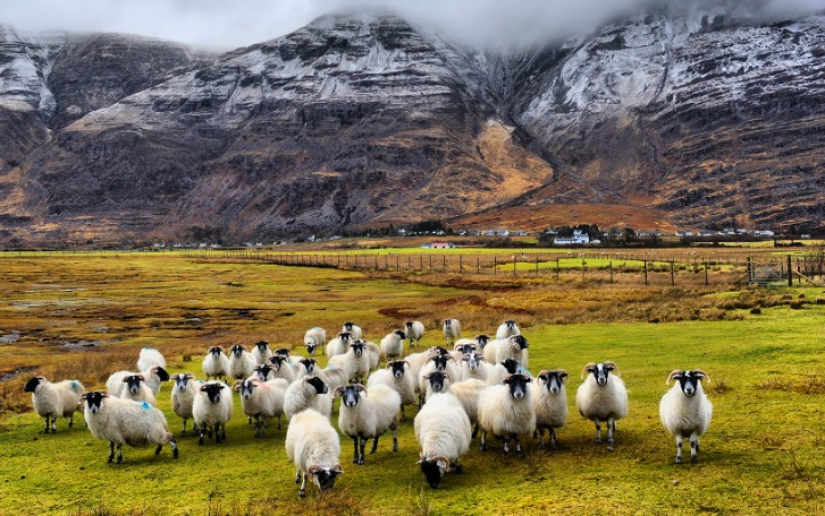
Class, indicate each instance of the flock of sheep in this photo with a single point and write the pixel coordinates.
(482, 385)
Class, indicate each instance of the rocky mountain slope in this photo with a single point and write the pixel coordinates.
(690, 117)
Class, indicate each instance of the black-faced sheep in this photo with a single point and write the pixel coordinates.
(415, 332)
(685, 410)
(602, 397)
(183, 396)
(54, 400)
(314, 338)
(215, 363)
(506, 411)
(313, 445)
(367, 414)
(212, 410)
(550, 403)
(443, 433)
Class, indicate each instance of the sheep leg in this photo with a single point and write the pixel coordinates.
(183, 432)
(403, 416)
(218, 433)
(394, 440)
(54, 425)
(223, 432)
(375, 445)
(540, 432)
(201, 432)
(694, 448)
(111, 451)
(484, 440)
(475, 430)
(518, 445)
(679, 442)
(355, 443)
(174, 444)
(553, 440)
(46, 431)
(611, 426)
(279, 421)
(297, 476)
(361, 457)
(158, 449)
(303, 491)
(457, 468)
(598, 432)
(506, 446)
(119, 454)
(209, 433)
(71, 420)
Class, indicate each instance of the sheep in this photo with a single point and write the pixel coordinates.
(149, 358)
(137, 390)
(467, 392)
(334, 376)
(549, 403)
(356, 362)
(506, 411)
(241, 362)
(507, 329)
(417, 362)
(442, 429)
(262, 401)
(602, 397)
(261, 352)
(353, 329)
(373, 352)
(154, 378)
(183, 396)
(340, 344)
(452, 330)
(415, 331)
(463, 346)
(310, 392)
(54, 400)
(396, 376)
(287, 354)
(263, 372)
(443, 363)
(282, 368)
(313, 445)
(685, 410)
(514, 347)
(366, 414)
(499, 372)
(212, 410)
(473, 366)
(215, 364)
(392, 346)
(122, 422)
(314, 339)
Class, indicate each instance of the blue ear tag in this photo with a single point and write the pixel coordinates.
(145, 405)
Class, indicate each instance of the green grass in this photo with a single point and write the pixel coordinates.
(765, 449)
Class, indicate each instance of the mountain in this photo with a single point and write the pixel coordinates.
(676, 116)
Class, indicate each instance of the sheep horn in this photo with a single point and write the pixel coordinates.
(588, 366)
(237, 384)
(389, 364)
(614, 366)
(336, 391)
(563, 374)
(506, 379)
(703, 374)
(543, 372)
(671, 375)
(363, 390)
(408, 364)
(441, 457)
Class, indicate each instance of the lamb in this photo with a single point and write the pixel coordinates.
(313, 445)
(506, 411)
(514, 347)
(212, 410)
(602, 397)
(149, 358)
(415, 331)
(137, 390)
(262, 401)
(549, 403)
(685, 410)
(452, 330)
(356, 362)
(354, 330)
(54, 400)
(396, 376)
(122, 422)
(367, 414)
(154, 378)
(281, 368)
(392, 346)
(468, 393)
(183, 396)
(261, 352)
(442, 429)
(241, 362)
(215, 364)
(507, 329)
(314, 339)
(473, 366)
(340, 344)
(310, 392)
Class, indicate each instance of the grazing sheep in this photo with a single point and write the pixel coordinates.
(452, 330)
(467, 392)
(310, 392)
(154, 377)
(281, 368)
(183, 396)
(396, 376)
(262, 401)
(507, 329)
(54, 400)
(507, 411)
(261, 352)
(499, 372)
(137, 390)
(392, 346)
(149, 358)
(550, 403)
(514, 347)
(685, 410)
(241, 362)
(367, 414)
(122, 422)
(215, 364)
(352, 329)
(473, 366)
(314, 339)
(415, 332)
(340, 344)
(443, 433)
(212, 410)
(313, 445)
(356, 362)
(602, 397)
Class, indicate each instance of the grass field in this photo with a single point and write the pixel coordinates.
(765, 449)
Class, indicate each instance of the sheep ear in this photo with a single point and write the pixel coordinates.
(408, 364)
(676, 374)
(237, 385)
(563, 374)
(587, 369)
(702, 374)
(338, 469)
(363, 390)
(337, 391)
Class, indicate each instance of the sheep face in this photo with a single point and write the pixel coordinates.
(465, 348)
(441, 361)
(263, 371)
(400, 334)
(601, 372)
(689, 381)
(408, 325)
(553, 380)
(436, 380)
(433, 469)
(473, 360)
(438, 350)
(511, 324)
(32, 384)
(351, 394)
(238, 350)
(348, 326)
(283, 351)
(345, 337)
(133, 383)
(309, 364)
(94, 400)
(246, 389)
(398, 368)
(518, 385)
(511, 365)
(521, 341)
(277, 361)
(358, 347)
(317, 383)
(181, 380)
(311, 348)
(262, 345)
(482, 340)
(213, 392)
(324, 478)
(216, 351)
(161, 372)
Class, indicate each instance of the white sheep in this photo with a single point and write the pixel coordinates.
(340, 344)
(154, 377)
(310, 392)
(261, 352)
(602, 397)
(473, 366)
(514, 347)
(417, 361)
(282, 368)
(507, 329)
(262, 401)
(122, 422)
(452, 330)
(507, 411)
(392, 345)
(550, 403)
(313, 445)
(685, 410)
(334, 376)
(241, 362)
(183, 396)
(356, 361)
(215, 363)
(54, 400)
(149, 358)
(498, 372)
(212, 410)
(314, 338)
(397, 376)
(415, 332)
(353, 329)
(468, 393)
(437, 362)
(367, 414)
(442, 429)
(137, 390)
(373, 352)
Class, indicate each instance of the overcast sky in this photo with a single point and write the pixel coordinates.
(227, 24)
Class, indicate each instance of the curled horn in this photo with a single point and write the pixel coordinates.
(237, 384)
(563, 374)
(336, 391)
(671, 375)
(614, 366)
(703, 374)
(408, 364)
(506, 379)
(588, 366)
(189, 376)
(363, 390)
(543, 372)
(441, 457)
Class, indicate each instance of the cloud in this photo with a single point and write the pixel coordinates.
(223, 25)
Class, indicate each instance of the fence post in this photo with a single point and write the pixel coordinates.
(672, 274)
(557, 267)
(515, 260)
(645, 272)
(495, 265)
(706, 272)
(478, 265)
(611, 272)
(750, 268)
(790, 272)
(537, 266)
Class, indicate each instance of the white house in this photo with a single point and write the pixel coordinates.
(578, 238)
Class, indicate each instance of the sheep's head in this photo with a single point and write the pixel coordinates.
(263, 371)
(182, 379)
(216, 351)
(438, 350)
(309, 364)
(434, 468)
(245, 388)
(482, 340)
(518, 385)
(465, 348)
(238, 350)
(398, 367)
(345, 337)
(601, 371)
(318, 384)
(473, 360)
(32, 384)
(213, 391)
(283, 352)
(448, 323)
(689, 381)
(94, 400)
(408, 325)
(437, 380)
(350, 394)
(553, 380)
(133, 383)
(262, 345)
(510, 324)
(310, 345)
(358, 346)
(401, 334)
(324, 478)
(277, 361)
(160, 373)
(441, 361)
(511, 365)
(348, 326)
(520, 341)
